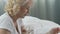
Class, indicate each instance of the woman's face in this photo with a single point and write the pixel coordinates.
(24, 10)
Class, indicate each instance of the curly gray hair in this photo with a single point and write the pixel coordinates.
(11, 4)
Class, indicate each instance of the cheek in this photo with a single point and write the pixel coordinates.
(24, 10)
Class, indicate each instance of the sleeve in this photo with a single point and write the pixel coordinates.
(40, 26)
(5, 24)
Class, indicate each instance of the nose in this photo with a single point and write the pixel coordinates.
(27, 10)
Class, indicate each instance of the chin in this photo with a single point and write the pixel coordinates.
(23, 17)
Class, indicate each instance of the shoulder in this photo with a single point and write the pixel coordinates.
(5, 22)
(39, 21)
(31, 19)
(3, 17)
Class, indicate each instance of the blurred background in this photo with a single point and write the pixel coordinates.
(43, 9)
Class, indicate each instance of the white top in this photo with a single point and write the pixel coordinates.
(36, 25)
(7, 23)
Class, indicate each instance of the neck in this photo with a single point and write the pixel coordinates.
(14, 18)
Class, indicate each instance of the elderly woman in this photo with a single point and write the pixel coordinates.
(12, 19)
(15, 22)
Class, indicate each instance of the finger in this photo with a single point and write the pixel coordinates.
(55, 30)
